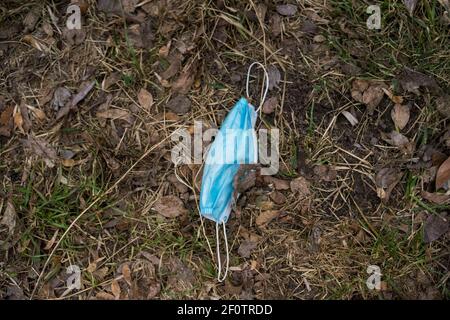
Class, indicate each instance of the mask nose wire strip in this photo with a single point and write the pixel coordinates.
(266, 82)
(219, 259)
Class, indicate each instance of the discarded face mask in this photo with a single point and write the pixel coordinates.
(235, 144)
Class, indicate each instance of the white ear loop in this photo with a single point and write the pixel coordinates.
(219, 259)
(266, 78)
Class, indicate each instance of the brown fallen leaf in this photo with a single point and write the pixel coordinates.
(386, 180)
(52, 241)
(82, 93)
(278, 184)
(6, 118)
(36, 43)
(104, 296)
(60, 97)
(179, 104)
(9, 218)
(266, 216)
(400, 115)
(170, 206)
(277, 197)
(274, 77)
(435, 226)
(275, 25)
(184, 82)
(270, 105)
(372, 97)
(395, 99)
(410, 5)
(114, 114)
(412, 81)
(300, 186)
(443, 105)
(74, 37)
(175, 65)
(287, 10)
(42, 149)
(30, 21)
(115, 289)
(443, 175)
(145, 99)
(399, 140)
(246, 247)
(126, 272)
(18, 120)
(437, 198)
(325, 173)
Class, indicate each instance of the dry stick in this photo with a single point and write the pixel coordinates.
(87, 209)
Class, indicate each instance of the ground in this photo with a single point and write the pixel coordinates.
(86, 117)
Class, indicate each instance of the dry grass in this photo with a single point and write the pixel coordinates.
(97, 213)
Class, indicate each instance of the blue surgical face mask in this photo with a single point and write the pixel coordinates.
(235, 144)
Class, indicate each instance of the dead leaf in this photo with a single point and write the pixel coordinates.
(30, 21)
(9, 217)
(275, 25)
(115, 114)
(437, 198)
(115, 289)
(443, 174)
(270, 105)
(386, 180)
(74, 37)
(18, 120)
(358, 88)
(110, 80)
(179, 104)
(126, 272)
(277, 197)
(35, 43)
(395, 99)
(52, 241)
(60, 97)
(300, 186)
(399, 140)
(170, 206)
(278, 184)
(372, 97)
(42, 149)
(435, 226)
(175, 65)
(38, 113)
(410, 5)
(82, 93)
(287, 10)
(246, 248)
(244, 179)
(266, 216)
(184, 82)
(411, 81)
(6, 119)
(145, 99)
(104, 296)
(400, 115)
(443, 105)
(350, 117)
(325, 173)
(274, 77)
